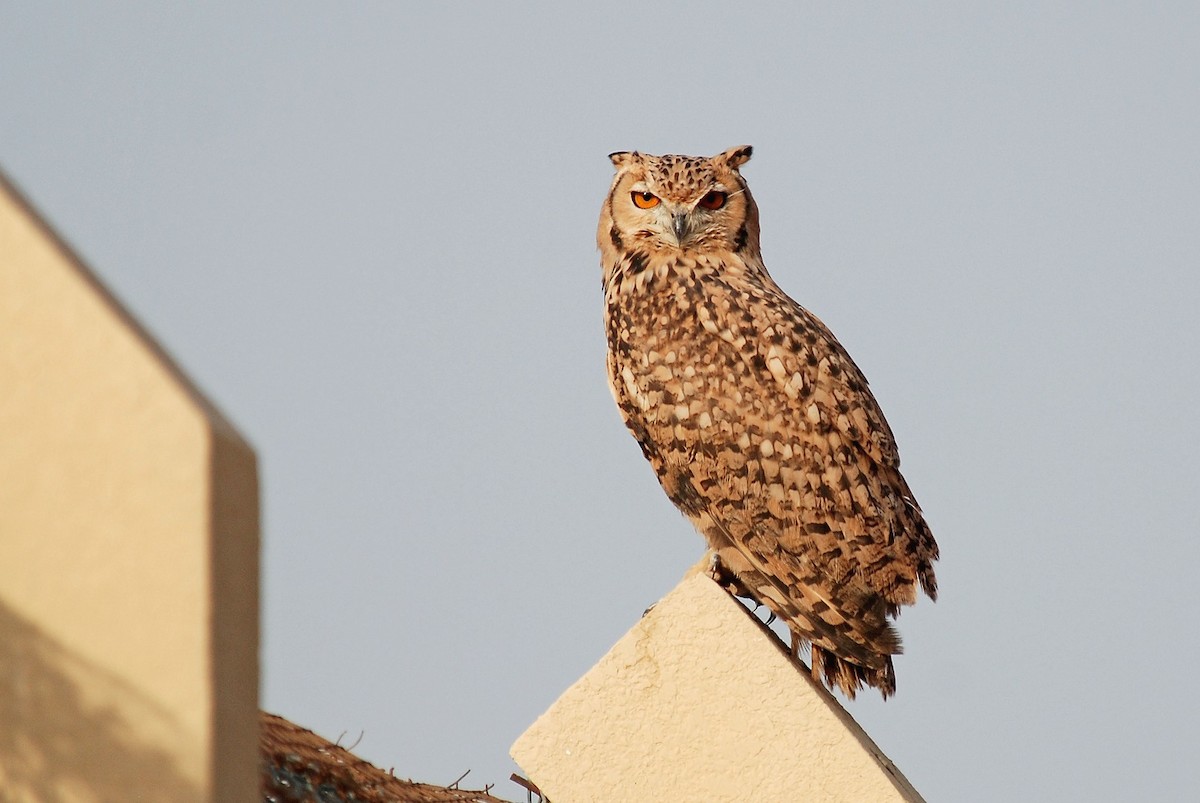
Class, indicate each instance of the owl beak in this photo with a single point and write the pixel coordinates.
(680, 224)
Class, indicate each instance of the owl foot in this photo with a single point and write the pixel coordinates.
(725, 578)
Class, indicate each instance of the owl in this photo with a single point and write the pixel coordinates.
(759, 426)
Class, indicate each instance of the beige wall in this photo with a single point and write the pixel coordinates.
(700, 702)
(128, 551)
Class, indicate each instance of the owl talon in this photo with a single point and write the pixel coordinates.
(715, 570)
(724, 578)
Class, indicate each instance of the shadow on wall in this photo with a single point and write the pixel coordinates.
(65, 728)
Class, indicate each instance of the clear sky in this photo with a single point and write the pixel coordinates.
(367, 232)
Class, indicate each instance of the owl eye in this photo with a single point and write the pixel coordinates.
(644, 200)
(714, 200)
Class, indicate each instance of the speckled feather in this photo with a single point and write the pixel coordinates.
(759, 426)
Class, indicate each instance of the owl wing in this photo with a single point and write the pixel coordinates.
(809, 493)
(843, 471)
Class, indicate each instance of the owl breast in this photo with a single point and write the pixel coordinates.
(689, 386)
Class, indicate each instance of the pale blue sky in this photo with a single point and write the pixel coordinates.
(367, 232)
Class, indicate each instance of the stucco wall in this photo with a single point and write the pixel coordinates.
(699, 702)
(128, 551)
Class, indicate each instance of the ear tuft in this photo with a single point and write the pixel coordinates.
(736, 157)
(622, 158)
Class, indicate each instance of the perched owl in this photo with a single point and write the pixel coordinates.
(760, 427)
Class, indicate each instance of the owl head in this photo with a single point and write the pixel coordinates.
(679, 203)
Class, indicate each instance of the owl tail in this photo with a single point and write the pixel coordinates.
(833, 671)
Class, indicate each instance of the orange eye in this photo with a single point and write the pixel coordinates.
(714, 200)
(644, 200)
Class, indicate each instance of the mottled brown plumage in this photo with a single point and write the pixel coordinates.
(760, 427)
